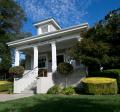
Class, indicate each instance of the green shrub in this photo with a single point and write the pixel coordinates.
(100, 86)
(68, 91)
(6, 86)
(16, 71)
(65, 68)
(56, 89)
(110, 73)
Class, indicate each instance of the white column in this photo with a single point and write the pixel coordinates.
(17, 57)
(54, 57)
(35, 57)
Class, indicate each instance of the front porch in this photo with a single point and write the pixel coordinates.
(46, 56)
(42, 60)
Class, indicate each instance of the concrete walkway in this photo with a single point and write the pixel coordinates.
(7, 97)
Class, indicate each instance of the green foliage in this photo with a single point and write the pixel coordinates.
(68, 91)
(56, 89)
(11, 19)
(6, 86)
(65, 68)
(16, 71)
(100, 87)
(111, 73)
(100, 44)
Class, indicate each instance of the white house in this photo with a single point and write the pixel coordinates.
(44, 52)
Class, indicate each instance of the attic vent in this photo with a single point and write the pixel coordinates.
(44, 29)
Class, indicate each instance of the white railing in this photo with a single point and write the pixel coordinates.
(28, 78)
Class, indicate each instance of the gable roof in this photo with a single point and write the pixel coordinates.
(50, 35)
(50, 20)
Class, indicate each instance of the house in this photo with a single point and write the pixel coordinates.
(44, 52)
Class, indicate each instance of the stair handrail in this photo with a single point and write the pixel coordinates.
(29, 72)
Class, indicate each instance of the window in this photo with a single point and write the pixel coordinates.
(44, 29)
(42, 62)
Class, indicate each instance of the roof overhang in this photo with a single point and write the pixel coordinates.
(48, 35)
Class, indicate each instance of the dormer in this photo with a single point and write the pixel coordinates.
(46, 26)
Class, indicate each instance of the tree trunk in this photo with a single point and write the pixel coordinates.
(65, 81)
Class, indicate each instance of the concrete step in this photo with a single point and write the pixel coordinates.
(31, 88)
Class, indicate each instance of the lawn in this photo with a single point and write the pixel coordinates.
(59, 103)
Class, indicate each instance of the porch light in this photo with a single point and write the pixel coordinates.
(0, 59)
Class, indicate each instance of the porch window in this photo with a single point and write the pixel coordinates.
(42, 62)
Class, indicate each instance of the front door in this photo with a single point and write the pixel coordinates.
(60, 59)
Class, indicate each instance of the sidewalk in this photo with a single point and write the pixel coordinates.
(7, 97)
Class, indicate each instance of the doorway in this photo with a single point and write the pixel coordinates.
(60, 59)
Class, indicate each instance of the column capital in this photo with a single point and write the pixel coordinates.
(34, 47)
(53, 42)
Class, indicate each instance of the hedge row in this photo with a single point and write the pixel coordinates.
(110, 73)
(100, 86)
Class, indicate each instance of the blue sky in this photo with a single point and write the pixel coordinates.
(66, 12)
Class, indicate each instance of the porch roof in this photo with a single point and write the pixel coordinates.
(48, 35)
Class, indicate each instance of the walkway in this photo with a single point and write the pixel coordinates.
(7, 97)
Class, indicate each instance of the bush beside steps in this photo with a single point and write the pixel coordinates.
(56, 89)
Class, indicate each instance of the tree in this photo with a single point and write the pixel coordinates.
(11, 19)
(100, 45)
(65, 69)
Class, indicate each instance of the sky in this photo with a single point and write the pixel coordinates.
(66, 12)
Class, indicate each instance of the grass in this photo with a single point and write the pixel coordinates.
(60, 103)
(6, 86)
(5, 82)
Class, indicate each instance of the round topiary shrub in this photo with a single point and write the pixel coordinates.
(56, 89)
(68, 91)
(65, 69)
(99, 85)
(16, 71)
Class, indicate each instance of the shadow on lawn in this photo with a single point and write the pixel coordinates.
(68, 104)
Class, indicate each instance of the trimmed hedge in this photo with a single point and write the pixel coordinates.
(110, 73)
(56, 89)
(69, 91)
(5, 86)
(16, 71)
(100, 86)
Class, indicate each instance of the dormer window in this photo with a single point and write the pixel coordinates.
(44, 29)
(49, 25)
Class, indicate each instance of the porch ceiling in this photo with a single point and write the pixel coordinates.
(47, 47)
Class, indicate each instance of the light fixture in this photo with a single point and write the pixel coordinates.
(0, 59)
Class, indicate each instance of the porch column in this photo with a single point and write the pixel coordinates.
(54, 57)
(35, 57)
(17, 57)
